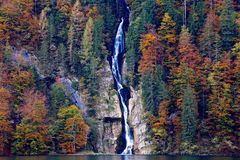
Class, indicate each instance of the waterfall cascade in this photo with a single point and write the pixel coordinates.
(118, 50)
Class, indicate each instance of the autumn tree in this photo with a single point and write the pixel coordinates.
(151, 49)
(188, 71)
(71, 129)
(210, 44)
(168, 40)
(21, 25)
(6, 128)
(236, 92)
(31, 137)
(137, 28)
(220, 120)
(159, 126)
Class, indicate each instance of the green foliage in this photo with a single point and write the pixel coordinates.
(7, 53)
(196, 17)
(154, 90)
(70, 129)
(188, 116)
(228, 26)
(147, 93)
(171, 7)
(58, 99)
(136, 29)
(29, 140)
(93, 135)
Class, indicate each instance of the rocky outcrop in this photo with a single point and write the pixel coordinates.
(72, 94)
(138, 122)
(108, 113)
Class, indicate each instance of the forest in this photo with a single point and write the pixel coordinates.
(183, 56)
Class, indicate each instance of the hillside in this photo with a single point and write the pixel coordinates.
(115, 76)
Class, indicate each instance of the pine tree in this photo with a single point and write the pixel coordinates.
(196, 17)
(171, 7)
(148, 93)
(44, 57)
(160, 89)
(228, 26)
(188, 115)
(58, 99)
(87, 41)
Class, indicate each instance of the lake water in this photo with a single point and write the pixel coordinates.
(117, 157)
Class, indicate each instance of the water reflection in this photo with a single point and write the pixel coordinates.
(116, 157)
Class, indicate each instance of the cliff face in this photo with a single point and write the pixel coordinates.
(138, 122)
(108, 113)
(109, 116)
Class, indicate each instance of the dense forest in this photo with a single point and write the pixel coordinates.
(182, 55)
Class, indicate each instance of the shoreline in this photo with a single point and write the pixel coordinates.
(112, 154)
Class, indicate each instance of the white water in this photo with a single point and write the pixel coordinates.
(118, 49)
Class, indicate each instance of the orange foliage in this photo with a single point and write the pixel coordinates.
(150, 48)
(4, 102)
(34, 108)
(21, 80)
(74, 135)
(18, 25)
(5, 124)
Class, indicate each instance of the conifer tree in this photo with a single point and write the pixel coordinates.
(228, 26)
(196, 17)
(188, 115)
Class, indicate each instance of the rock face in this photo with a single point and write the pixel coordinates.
(108, 113)
(138, 123)
(109, 116)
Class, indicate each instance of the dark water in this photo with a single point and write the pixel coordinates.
(104, 157)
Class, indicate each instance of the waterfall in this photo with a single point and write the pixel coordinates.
(118, 50)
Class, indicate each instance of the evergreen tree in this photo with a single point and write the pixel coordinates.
(188, 115)
(62, 56)
(136, 29)
(228, 26)
(44, 57)
(75, 33)
(196, 17)
(148, 92)
(87, 41)
(160, 90)
(51, 28)
(57, 99)
(171, 7)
